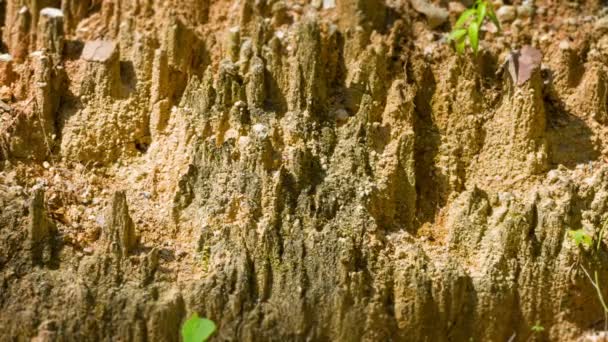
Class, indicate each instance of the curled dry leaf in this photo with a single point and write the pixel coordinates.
(529, 60)
(522, 63)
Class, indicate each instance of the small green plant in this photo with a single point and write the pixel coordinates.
(537, 328)
(598, 289)
(469, 23)
(580, 237)
(197, 329)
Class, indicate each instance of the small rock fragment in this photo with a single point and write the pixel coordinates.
(456, 7)
(545, 38)
(564, 45)
(51, 12)
(102, 74)
(341, 115)
(525, 11)
(434, 14)
(601, 25)
(327, 4)
(260, 130)
(98, 51)
(4, 107)
(506, 13)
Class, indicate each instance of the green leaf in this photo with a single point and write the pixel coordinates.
(492, 16)
(463, 18)
(474, 36)
(537, 328)
(580, 237)
(460, 45)
(197, 329)
(457, 34)
(482, 9)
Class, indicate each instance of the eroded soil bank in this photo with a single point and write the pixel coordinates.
(299, 171)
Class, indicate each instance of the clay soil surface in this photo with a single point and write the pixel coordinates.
(302, 170)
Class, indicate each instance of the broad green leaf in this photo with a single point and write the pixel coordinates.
(474, 36)
(580, 237)
(197, 329)
(492, 16)
(460, 45)
(463, 18)
(458, 34)
(482, 9)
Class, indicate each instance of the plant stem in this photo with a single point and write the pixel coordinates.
(599, 294)
(601, 235)
(596, 284)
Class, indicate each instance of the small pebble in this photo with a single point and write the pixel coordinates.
(564, 45)
(341, 115)
(260, 130)
(588, 19)
(601, 25)
(506, 13)
(525, 11)
(517, 23)
(327, 4)
(456, 7)
(435, 15)
(544, 38)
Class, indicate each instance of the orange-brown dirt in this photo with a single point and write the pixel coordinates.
(306, 171)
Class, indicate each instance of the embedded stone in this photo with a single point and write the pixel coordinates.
(99, 51)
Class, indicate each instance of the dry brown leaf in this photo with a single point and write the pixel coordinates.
(522, 63)
(528, 61)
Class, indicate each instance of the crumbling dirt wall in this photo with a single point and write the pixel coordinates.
(298, 171)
